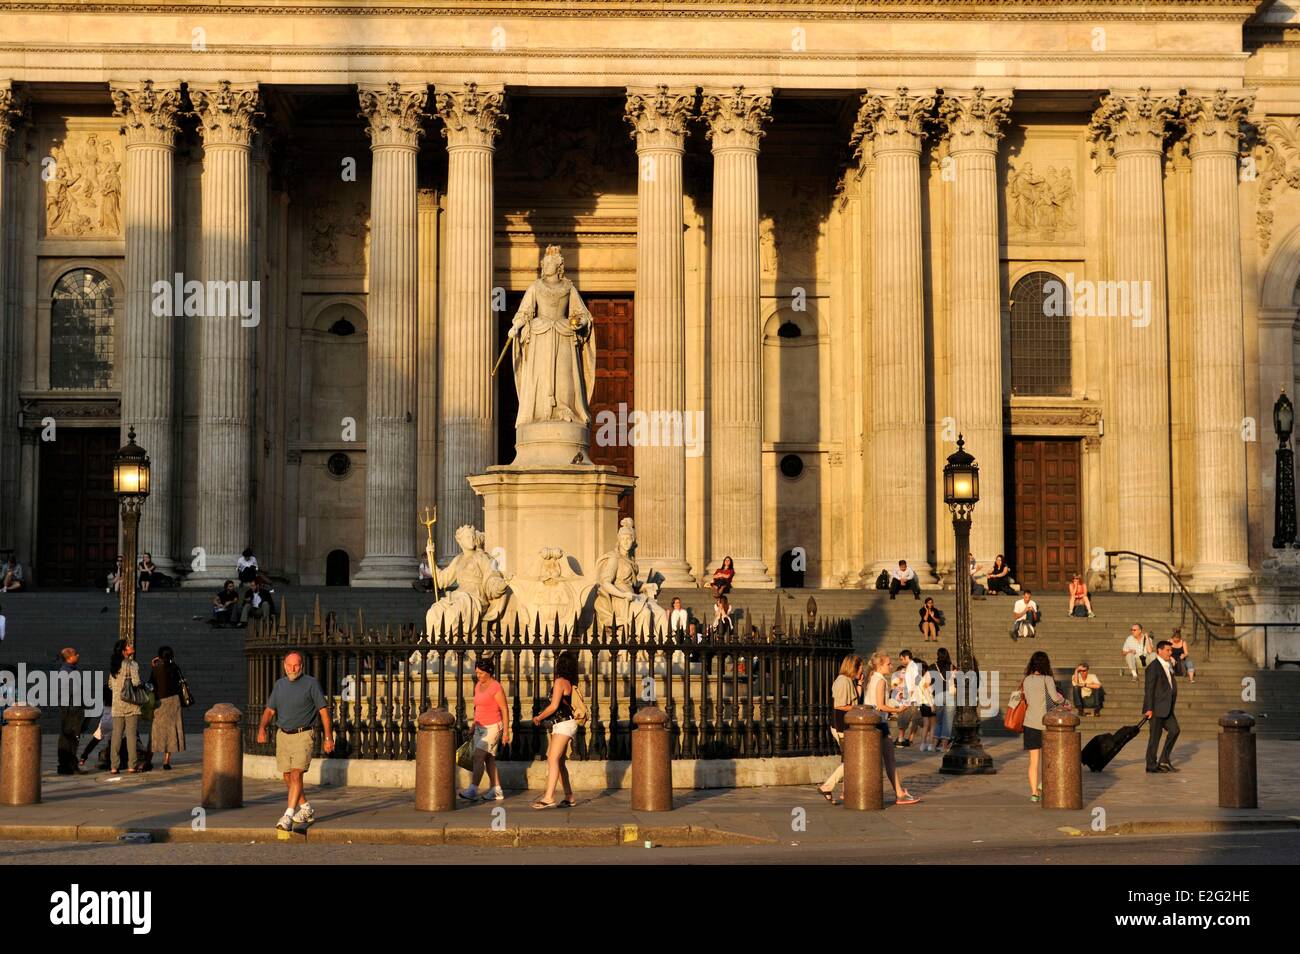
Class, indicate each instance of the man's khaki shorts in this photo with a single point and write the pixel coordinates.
(293, 751)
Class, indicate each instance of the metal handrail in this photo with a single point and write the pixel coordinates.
(1199, 617)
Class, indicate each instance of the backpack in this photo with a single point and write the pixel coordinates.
(581, 714)
(882, 581)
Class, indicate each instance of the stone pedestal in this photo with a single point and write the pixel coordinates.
(1270, 596)
(574, 507)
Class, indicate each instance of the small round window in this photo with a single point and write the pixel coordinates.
(339, 464)
(791, 466)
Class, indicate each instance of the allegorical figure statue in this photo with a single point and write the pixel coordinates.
(623, 600)
(553, 346)
(475, 590)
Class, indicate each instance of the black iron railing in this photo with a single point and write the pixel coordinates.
(1221, 630)
(763, 693)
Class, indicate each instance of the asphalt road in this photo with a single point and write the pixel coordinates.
(1247, 848)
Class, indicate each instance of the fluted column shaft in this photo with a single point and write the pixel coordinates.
(736, 118)
(394, 114)
(973, 125)
(1135, 124)
(148, 111)
(891, 123)
(467, 335)
(659, 117)
(226, 119)
(1218, 353)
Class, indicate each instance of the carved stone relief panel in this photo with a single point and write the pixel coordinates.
(337, 229)
(81, 171)
(1042, 197)
(792, 228)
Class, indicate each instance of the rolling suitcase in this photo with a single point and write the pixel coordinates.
(1098, 753)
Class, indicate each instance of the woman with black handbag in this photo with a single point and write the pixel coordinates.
(844, 696)
(561, 720)
(168, 734)
(128, 695)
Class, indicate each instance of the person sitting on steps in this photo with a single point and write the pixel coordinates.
(1087, 691)
(1078, 591)
(904, 578)
(1026, 614)
(999, 577)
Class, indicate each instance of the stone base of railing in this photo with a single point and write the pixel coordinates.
(584, 776)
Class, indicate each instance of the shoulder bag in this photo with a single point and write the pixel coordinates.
(187, 697)
(1017, 705)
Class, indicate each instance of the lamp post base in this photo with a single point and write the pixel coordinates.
(967, 759)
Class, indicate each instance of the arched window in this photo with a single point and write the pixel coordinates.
(1040, 336)
(337, 568)
(81, 331)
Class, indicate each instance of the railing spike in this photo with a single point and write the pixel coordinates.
(316, 613)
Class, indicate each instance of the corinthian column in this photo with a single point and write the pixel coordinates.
(394, 114)
(736, 119)
(1218, 353)
(467, 333)
(227, 114)
(972, 123)
(1134, 124)
(148, 112)
(658, 117)
(891, 123)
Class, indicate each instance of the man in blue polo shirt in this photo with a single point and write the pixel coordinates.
(296, 703)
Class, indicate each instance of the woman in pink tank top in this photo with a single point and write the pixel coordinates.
(491, 729)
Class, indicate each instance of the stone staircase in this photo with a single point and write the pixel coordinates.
(43, 621)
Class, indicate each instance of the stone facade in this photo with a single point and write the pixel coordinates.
(828, 218)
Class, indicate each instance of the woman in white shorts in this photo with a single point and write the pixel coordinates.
(558, 717)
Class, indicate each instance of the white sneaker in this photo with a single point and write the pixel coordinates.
(285, 823)
(470, 794)
(494, 795)
(304, 815)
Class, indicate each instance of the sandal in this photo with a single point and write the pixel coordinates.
(829, 796)
(907, 798)
(540, 805)
(569, 803)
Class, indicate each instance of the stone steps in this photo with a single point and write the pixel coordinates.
(41, 622)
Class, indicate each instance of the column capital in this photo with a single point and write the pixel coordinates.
(470, 113)
(1134, 120)
(893, 120)
(658, 115)
(973, 120)
(227, 112)
(394, 113)
(736, 116)
(148, 111)
(1215, 120)
(12, 112)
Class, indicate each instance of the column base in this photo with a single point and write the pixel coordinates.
(1153, 578)
(220, 567)
(386, 571)
(1207, 577)
(675, 573)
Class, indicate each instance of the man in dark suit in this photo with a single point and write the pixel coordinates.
(1158, 701)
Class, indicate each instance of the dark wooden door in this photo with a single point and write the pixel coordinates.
(78, 511)
(613, 318)
(1046, 524)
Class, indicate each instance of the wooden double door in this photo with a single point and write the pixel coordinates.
(613, 318)
(1045, 522)
(77, 517)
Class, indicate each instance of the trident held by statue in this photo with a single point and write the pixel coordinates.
(431, 518)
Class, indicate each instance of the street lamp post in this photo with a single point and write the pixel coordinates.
(131, 484)
(1284, 517)
(961, 491)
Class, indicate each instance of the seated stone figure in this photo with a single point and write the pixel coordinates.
(623, 600)
(553, 595)
(474, 591)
